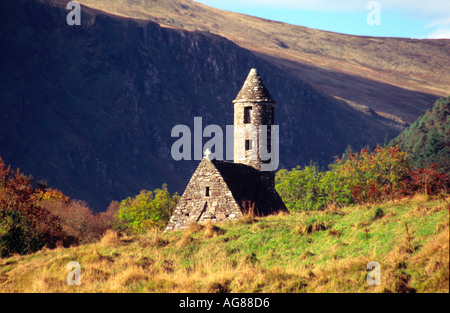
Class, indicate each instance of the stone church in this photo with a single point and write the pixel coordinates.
(221, 190)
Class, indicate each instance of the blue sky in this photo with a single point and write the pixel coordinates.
(390, 18)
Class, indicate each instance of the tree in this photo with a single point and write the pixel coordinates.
(374, 176)
(300, 188)
(427, 140)
(364, 177)
(147, 210)
(25, 226)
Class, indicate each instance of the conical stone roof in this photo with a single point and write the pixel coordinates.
(253, 89)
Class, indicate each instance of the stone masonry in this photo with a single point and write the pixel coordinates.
(219, 190)
(207, 197)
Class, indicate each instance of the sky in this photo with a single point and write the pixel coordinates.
(386, 18)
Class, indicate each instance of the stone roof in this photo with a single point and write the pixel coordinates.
(253, 89)
(222, 191)
(246, 185)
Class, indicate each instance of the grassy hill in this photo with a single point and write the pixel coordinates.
(321, 251)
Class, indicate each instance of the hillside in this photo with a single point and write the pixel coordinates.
(90, 109)
(428, 139)
(398, 78)
(320, 251)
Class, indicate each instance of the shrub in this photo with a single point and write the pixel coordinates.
(147, 210)
(374, 176)
(364, 177)
(378, 213)
(16, 234)
(301, 189)
(109, 219)
(428, 180)
(336, 187)
(76, 219)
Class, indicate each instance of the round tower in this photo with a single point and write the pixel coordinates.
(253, 107)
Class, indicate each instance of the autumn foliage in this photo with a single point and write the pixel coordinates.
(25, 226)
(32, 217)
(374, 176)
(77, 220)
(366, 177)
(428, 180)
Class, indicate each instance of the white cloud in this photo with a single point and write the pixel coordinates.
(440, 23)
(441, 28)
(440, 33)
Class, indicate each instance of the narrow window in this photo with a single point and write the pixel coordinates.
(247, 115)
(207, 192)
(248, 145)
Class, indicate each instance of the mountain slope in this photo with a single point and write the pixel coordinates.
(428, 139)
(90, 108)
(398, 78)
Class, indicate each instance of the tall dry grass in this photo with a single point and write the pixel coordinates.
(271, 254)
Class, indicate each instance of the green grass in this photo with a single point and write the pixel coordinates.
(325, 251)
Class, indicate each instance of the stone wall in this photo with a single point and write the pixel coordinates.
(220, 191)
(196, 206)
(262, 114)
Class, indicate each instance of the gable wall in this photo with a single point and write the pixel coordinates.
(195, 206)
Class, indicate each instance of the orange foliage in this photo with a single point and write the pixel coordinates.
(428, 181)
(17, 194)
(374, 176)
(44, 216)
